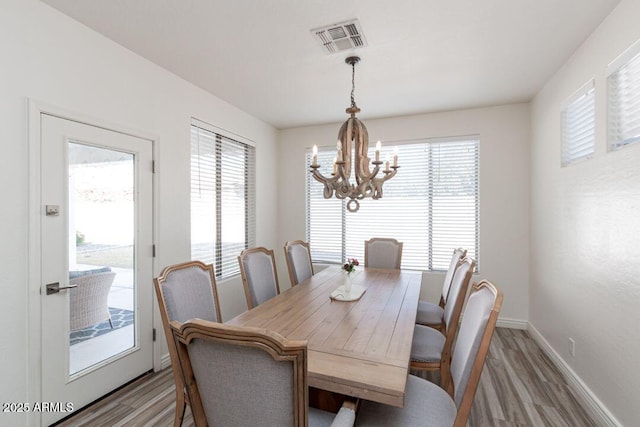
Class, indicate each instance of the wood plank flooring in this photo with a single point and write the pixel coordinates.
(520, 386)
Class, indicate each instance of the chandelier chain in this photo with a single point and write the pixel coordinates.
(353, 84)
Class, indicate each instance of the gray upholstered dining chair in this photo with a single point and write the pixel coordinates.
(430, 314)
(242, 376)
(259, 275)
(298, 256)
(427, 404)
(185, 291)
(380, 252)
(431, 348)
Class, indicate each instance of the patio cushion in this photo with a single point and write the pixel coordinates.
(80, 273)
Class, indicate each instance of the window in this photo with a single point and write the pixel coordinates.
(624, 99)
(431, 205)
(578, 126)
(222, 199)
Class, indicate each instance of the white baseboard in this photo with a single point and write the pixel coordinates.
(590, 401)
(512, 323)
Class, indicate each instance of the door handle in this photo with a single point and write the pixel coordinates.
(54, 288)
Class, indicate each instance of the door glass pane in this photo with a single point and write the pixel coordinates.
(101, 254)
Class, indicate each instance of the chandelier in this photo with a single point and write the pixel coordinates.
(353, 133)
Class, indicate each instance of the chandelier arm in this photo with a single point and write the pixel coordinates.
(327, 192)
(328, 184)
(366, 189)
(377, 194)
(377, 188)
(377, 183)
(343, 190)
(369, 175)
(341, 175)
(387, 176)
(323, 179)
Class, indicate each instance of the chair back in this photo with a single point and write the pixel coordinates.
(298, 256)
(382, 252)
(472, 346)
(242, 376)
(458, 293)
(458, 254)
(452, 311)
(259, 276)
(187, 291)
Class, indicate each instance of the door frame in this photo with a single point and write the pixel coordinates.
(34, 261)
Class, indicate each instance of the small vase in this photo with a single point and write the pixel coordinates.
(347, 283)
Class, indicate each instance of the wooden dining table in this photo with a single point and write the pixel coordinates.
(361, 348)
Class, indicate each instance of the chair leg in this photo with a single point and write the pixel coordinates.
(181, 405)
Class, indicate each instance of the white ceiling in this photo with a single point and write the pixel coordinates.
(422, 55)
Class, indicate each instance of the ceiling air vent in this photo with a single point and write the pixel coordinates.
(343, 36)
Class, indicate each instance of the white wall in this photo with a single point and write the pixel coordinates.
(51, 58)
(585, 262)
(504, 189)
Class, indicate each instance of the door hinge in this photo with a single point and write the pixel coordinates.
(154, 334)
(153, 166)
(153, 251)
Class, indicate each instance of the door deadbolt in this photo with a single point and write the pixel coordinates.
(52, 210)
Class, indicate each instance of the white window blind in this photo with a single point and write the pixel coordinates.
(431, 205)
(222, 199)
(578, 126)
(624, 103)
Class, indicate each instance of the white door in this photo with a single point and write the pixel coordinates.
(96, 234)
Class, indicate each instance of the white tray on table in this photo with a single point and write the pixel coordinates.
(354, 294)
